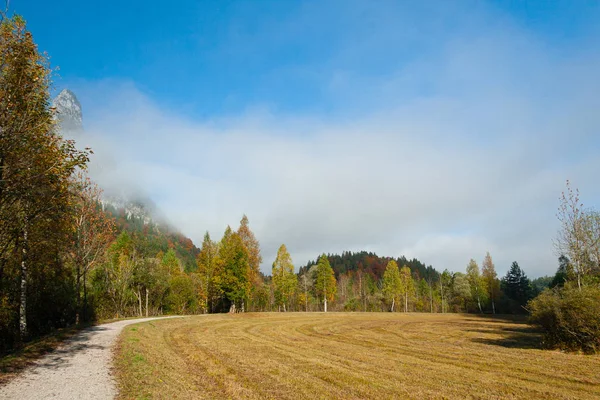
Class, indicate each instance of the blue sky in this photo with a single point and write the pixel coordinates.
(439, 130)
(214, 57)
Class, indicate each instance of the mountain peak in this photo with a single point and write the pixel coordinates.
(68, 112)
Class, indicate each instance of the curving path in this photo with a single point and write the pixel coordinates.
(78, 369)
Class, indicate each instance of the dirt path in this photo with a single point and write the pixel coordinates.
(79, 369)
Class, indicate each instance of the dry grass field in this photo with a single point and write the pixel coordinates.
(347, 356)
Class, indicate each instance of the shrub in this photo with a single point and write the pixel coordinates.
(569, 317)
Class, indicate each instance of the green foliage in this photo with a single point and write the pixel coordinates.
(538, 285)
(235, 266)
(209, 290)
(479, 293)
(392, 284)
(372, 264)
(182, 298)
(325, 283)
(569, 317)
(461, 291)
(36, 216)
(283, 277)
(563, 274)
(517, 289)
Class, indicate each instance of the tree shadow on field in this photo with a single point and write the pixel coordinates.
(519, 337)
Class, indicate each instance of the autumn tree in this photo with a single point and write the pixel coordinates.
(306, 282)
(284, 279)
(445, 281)
(209, 273)
(325, 283)
(476, 283)
(252, 247)
(579, 235)
(172, 263)
(407, 285)
(490, 280)
(235, 268)
(118, 273)
(392, 284)
(35, 162)
(461, 290)
(93, 233)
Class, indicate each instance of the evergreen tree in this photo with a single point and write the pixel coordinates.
(564, 272)
(517, 287)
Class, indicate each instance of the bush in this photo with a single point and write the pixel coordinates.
(569, 317)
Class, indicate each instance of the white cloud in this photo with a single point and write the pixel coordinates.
(471, 160)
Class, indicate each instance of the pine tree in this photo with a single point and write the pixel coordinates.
(517, 287)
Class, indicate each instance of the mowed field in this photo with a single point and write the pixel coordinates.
(347, 356)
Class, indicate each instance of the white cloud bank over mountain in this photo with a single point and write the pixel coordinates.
(451, 156)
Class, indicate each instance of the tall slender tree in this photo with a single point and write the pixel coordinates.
(252, 247)
(490, 279)
(476, 283)
(93, 232)
(35, 162)
(284, 279)
(325, 283)
(571, 238)
(392, 285)
(208, 272)
(407, 285)
(235, 269)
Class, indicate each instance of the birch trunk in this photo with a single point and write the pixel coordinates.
(23, 301)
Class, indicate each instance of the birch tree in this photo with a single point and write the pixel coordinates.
(284, 279)
(407, 285)
(35, 162)
(392, 285)
(571, 238)
(325, 283)
(490, 280)
(476, 283)
(208, 272)
(93, 233)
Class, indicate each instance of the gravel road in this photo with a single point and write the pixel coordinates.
(78, 369)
